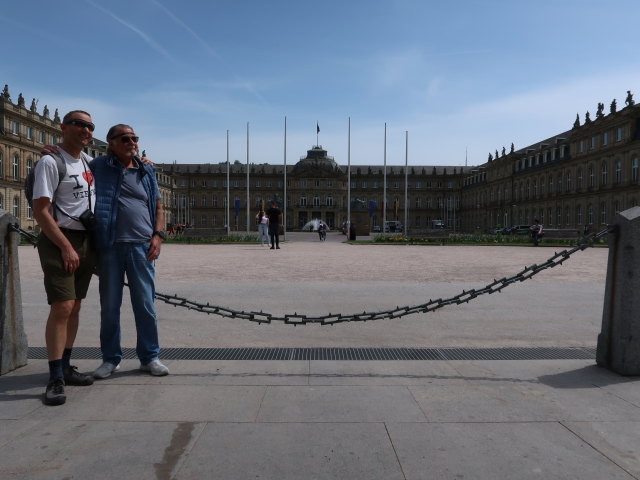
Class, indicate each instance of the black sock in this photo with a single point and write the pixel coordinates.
(66, 358)
(55, 369)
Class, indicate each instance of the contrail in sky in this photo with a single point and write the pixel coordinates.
(146, 38)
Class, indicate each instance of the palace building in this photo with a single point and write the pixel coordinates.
(577, 178)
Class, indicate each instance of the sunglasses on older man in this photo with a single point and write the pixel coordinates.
(81, 124)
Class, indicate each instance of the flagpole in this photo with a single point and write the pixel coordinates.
(228, 166)
(284, 207)
(384, 192)
(248, 213)
(317, 132)
(348, 229)
(406, 182)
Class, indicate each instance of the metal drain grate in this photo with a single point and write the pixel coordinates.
(508, 353)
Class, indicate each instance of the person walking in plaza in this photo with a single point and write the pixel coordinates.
(263, 227)
(65, 249)
(129, 234)
(274, 215)
(536, 232)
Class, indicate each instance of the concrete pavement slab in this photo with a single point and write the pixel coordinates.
(238, 372)
(156, 403)
(97, 450)
(292, 451)
(339, 404)
(512, 401)
(498, 450)
(618, 441)
(407, 372)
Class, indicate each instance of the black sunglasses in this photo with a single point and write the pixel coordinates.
(129, 139)
(81, 124)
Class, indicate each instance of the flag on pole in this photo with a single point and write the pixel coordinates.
(317, 128)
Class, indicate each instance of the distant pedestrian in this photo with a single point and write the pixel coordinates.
(274, 215)
(263, 227)
(536, 232)
(322, 231)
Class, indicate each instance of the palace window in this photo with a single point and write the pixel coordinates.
(15, 127)
(619, 134)
(203, 221)
(16, 162)
(363, 185)
(603, 174)
(316, 201)
(316, 183)
(618, 172)
(30, 133)
(581, 146)
(41, 137)
(579, 179)
(568, 182)
(592, 143)
(214, 201)
(329, 201)
(1, 171)
(16, 207)
(418, 202)
(605, 138)
(603, 213)
(52, 139)
(592, 177)
(203, 201)
(634, 169)
(418, 185)
(303, 201)
(579, 215)
(329, 183)
(590, 214)
(559, 215)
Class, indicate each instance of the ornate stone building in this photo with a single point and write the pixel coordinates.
(579, 177)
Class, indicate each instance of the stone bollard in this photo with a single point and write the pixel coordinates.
(619, 340)
(13, 340)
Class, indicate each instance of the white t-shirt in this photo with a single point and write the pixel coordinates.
(72, 193)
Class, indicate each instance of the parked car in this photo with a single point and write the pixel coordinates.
(500, 231)
(392, 226)
(376, 229)
(520, 230)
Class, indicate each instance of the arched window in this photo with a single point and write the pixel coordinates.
(568, 179)
(16, 206)
(618, 172)
(603, 174)
(603, 213)
(590, 214)
(579, 179)
(634, 168)
(579, 215)
(592, 177)
(15, 167)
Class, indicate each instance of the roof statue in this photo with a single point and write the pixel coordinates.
(5, 92)
(512, 148)
(20, 100)
(496, 154)
(45, 112)
(599, 113)
(33, 105)
(613, 107)
(56, 117)
(504, 151)
(490, 157)
(587, 118)
(629, 100)
(576, 124)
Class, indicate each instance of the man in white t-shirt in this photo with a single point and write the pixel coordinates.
(67, 255)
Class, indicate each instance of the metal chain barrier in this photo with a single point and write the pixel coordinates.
(330, 319)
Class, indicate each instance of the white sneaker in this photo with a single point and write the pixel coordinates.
(155, 367)
(105, 370)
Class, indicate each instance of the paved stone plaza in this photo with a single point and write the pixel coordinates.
(328, 419)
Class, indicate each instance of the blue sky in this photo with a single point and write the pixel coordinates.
(458, 75)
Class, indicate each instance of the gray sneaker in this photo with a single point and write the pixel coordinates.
(155, 367)
(105, 370)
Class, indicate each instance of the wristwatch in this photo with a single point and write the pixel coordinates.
(160, 234)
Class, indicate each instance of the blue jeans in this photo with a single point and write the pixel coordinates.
(113, 264)
(263, 228)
